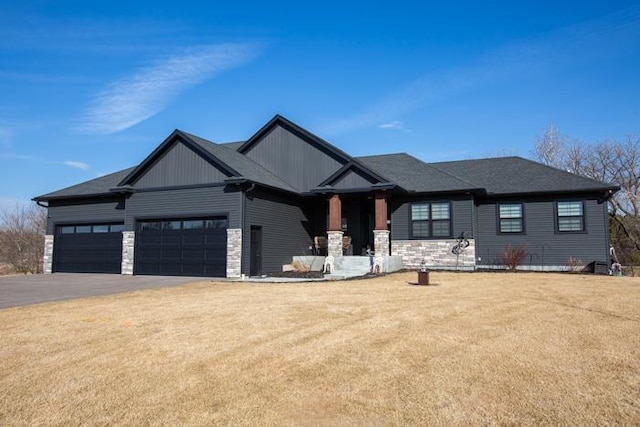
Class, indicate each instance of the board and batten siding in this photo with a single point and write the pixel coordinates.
(179, 165)
(462, 212)
(286, 230)
(352, 180)
(184, 203)
(545, 246)
(298, 162)
(87, 211)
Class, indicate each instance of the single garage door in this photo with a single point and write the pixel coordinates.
(182, 247)
(88, 248)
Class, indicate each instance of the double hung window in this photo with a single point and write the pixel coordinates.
(511, 217)
(430, 220)
(570, 216)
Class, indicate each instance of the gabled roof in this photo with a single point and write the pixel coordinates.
(166, 144)
(95, 187)
(414, 175)
(494, 176)
(515, 175)
(245, 167)
(355, 166)
(278, 120)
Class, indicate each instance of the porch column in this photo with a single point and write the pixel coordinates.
(334, 233)
(47, 267)
(128, 247)
(234, 252)
(381, 231)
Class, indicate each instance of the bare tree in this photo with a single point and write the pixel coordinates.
(550, 147)
(22, 231)
(616, 162)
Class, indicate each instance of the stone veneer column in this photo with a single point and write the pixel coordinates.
(381, 242)
(47, 261)
(335, 243)
(128, 245)
(234, 252)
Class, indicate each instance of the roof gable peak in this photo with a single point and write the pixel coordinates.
(176, 137)
(279, 120)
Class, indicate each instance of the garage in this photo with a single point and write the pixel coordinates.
(182, 247)
(88, 248)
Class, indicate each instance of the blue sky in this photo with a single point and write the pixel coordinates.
(92, 87)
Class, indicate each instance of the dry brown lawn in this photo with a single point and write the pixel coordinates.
(481, 348)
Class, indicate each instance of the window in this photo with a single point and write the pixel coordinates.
(150, 226)
(194, 224)
(187, 224)
(83, 229)
(90, 228)
(67, 229)
(117, 228)
(430, 220)
(511, 218)
(216, 223)
(570, 216)
(103, 228)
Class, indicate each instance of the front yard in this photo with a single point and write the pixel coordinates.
(481, 348)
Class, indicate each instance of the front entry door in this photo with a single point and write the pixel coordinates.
(255, 268)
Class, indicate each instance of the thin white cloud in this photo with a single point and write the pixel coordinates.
(131, 100)
(394, 125)
(78, 165)
(14, 156)
(573, 46)
(33, 159)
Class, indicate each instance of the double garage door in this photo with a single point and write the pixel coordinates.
(188, 247)
(88, 248)
(176, 247)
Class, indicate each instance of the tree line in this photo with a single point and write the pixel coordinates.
(22, 228)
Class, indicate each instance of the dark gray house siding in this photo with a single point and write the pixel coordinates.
(297, 161)
(461, 215)
(287, 229)
(545, 245)
(352, 180)
(179, 165)
(184, 202)
(279, 181)
(85, 211)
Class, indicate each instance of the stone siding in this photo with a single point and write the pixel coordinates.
(335, 243)
(381, 242)
(47, 264)
(128, 247)
(234, 252)
(435, 253)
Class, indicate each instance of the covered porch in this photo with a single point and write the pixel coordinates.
(353, 235)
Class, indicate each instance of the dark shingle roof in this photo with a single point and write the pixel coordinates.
(415, 175)
(241, 163)
(232, 145)
(497, 176)
(513, 175)
(93, 187)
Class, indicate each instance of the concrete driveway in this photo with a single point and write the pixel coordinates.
(25, 290)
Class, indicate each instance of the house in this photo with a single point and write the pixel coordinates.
(197, 208)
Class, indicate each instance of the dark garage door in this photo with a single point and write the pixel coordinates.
(182, 247)
(88, 248)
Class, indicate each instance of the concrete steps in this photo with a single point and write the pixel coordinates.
(348, 266)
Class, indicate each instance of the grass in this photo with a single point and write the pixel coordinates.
(481, 348)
